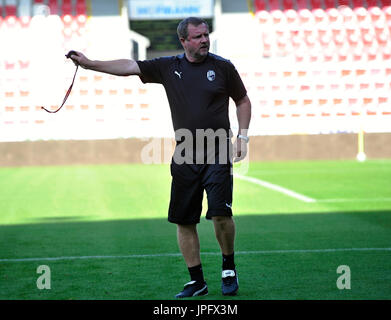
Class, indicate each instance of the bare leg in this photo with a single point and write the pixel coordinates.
(189, 244)
(225, 233)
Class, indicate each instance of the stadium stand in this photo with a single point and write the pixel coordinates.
(340, 51)
(323, 63)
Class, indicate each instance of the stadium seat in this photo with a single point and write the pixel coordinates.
(81, 7)
(10, 8)
(302, 4)
(347, 14)
(316, 4)
(53, 6)
(274, 5)
(343, 2)
(24, 22)
(263, 16)
(288, 4)
(66, 7)
(260, 5)
(277, 16)
(386, 54)
(387, 12)
(372, 54)
(358, 3)
(375, 13)
(353, 40)
(333, 14)
(329, 4)
(360, 13)
(305, 15)
(290, 15)
(319, 15)
(371, 3)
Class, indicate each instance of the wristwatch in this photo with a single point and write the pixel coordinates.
(245, 138)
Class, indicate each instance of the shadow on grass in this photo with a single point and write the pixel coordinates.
(139, 259)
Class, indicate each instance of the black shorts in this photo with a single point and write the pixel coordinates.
(187, 189)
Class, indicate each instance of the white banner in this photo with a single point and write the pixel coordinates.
(170, 9)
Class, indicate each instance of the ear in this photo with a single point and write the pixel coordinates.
(182, 40)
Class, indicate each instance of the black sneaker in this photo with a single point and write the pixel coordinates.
(193, 289)
(229, 282)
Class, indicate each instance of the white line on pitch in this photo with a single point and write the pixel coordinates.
(356, 200)
(277, 188)
(179, 254)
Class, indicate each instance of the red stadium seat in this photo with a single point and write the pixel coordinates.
(387, 12)
(333, 14)
(382, 39)
(347, 14)
(361, 13)
(343, 2)
(277, 16)
(66, 7)
(290, 15)
(10, 10)
(372, 3)
(357, 54)
(274, 5)
(368, 39)
(372, 54)
(24, 21)
(53, 6)
(329, 4)
(386, 53)
(288, 4)
(260, 5)
(358, 3)
(316, 4)
(302, 4)
(263, 16)
(305, 15)
(81, 7)
(376, 14)
(353, 39)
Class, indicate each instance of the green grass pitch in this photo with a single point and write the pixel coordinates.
(103, 232)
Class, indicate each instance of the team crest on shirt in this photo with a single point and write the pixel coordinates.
(211, 75)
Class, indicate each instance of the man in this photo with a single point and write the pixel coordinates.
(198, 85)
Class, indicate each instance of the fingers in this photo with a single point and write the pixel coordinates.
(78, 58)
(240, 150)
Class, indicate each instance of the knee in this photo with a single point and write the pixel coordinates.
(222, 220)
(187, 228)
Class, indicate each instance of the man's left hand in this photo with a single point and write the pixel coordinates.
(240, 149)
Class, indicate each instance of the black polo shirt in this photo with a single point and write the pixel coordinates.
(198, 93)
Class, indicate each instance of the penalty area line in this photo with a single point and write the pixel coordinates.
(275, 187)
(132, 256)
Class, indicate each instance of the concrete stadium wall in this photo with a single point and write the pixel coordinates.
(262, 148)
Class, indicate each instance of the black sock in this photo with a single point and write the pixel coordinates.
(228, 262)
(196, 273)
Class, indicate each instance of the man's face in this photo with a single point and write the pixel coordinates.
(197, 43)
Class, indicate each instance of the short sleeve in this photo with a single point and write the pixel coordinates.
(152, 70)
(236, 88)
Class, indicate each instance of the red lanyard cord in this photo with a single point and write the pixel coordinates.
(69, 90)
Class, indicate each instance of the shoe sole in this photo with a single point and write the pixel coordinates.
(231, 293)
(197, 293)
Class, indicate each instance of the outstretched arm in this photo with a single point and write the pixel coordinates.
(120, 67)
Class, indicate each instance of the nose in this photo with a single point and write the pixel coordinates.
(204, 39)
